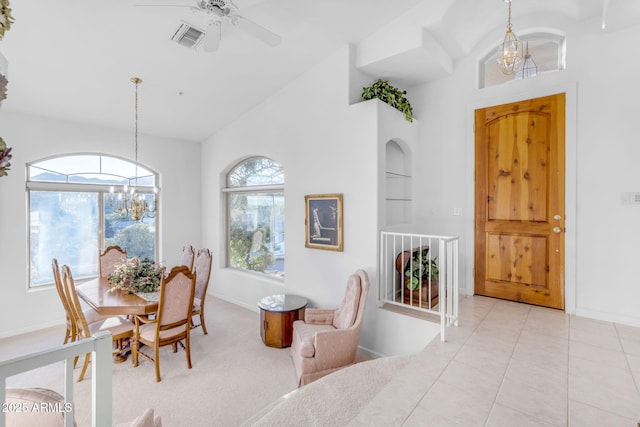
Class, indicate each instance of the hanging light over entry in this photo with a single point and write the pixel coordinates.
(510, 51)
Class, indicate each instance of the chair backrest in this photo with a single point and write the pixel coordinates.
(202, 270)
(109, 258)
(75, 308)
(352, 309)
(176, 298)
(187, 257)
(60, 288)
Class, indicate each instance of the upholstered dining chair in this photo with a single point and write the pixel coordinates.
(188, 256)
(327, 340)
(202, 270)
(109, 258)
(90, 314)
(120, 328)
(172, 323)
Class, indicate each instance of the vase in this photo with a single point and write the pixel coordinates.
(418, 298)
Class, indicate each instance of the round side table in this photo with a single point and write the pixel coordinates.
(277, 314)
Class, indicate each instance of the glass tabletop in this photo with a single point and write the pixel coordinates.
(282, 302)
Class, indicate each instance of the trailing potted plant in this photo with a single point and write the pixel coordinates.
(391, 95)
(420, 276)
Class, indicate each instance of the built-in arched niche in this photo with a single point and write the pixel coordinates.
(398, 176)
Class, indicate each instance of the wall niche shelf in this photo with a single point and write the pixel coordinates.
(398, 182)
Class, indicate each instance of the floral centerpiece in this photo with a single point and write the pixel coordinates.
(5, 156)
(5, 17)
(136, 275)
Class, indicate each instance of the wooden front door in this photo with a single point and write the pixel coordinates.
(519, 201)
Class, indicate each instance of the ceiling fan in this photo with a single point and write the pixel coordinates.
(217, 12)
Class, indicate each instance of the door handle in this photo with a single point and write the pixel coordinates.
(557, 217)
(557, 230)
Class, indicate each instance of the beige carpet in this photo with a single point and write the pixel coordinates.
(234, 374)
(235, 380)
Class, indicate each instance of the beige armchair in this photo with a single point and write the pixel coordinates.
(327, 340)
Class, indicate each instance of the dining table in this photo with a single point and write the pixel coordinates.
(97, 293)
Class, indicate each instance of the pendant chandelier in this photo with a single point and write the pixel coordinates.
(510, 51)
(529, 68)
(130, 204)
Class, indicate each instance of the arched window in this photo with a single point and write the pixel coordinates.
(255, 216)
(547, 51)
(71, 213)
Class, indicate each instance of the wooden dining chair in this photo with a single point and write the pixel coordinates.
(188, 256)
(120, 328)
(111, 256)
(70, 334)
(90, 314)
(202, 270)
(172, 322)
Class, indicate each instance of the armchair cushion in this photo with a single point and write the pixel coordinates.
(346, 314)
(306, 333)
(319, 316)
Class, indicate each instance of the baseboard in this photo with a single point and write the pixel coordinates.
(250, 307)
(609, 317)
(32, 328)
(371, 353)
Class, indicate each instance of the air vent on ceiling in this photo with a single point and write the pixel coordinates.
(187, 35)
(631, 198)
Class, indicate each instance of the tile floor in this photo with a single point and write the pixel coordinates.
(511, 364)
(507, 364)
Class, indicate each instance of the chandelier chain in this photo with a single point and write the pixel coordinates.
(130, 203)
(136, 81)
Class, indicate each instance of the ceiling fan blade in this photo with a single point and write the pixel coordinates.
(163, 5)
(211, 39)
(258, 31)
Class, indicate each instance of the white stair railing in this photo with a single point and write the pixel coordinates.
(420, 272)
(101, 372)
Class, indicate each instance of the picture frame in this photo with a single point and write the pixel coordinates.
(323, 222)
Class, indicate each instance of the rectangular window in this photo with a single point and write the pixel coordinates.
(67, 226)
(63, 225)
(256, 231)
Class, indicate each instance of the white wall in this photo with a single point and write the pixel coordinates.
(602, 86)
(325, 146)
(34, 138)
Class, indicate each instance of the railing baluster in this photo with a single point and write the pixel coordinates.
(393, 283)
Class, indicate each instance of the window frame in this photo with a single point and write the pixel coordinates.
(102, 192)
(259, 189)
(533, 36)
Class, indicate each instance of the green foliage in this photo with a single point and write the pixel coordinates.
(420, 268)
(244, 255)
(137, 239)
(391, 95)
(137, 275)
(5, 17)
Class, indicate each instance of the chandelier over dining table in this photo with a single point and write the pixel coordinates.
(129, 203)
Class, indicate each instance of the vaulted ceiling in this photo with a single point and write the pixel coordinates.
(73, 59)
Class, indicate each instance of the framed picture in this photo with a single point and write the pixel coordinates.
(323, 221)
